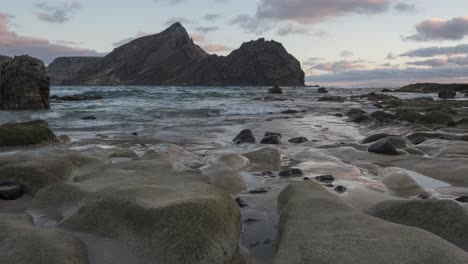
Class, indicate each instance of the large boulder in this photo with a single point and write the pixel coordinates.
(317, 227)
(26, 133)
(264, 159)
(444, 218)
(163, 214)
(24, 84)
(25, 243)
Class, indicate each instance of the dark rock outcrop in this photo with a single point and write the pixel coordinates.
(26, 133)
(322, 90)
(275, 90)
(24, 84)
(271, 139)
(245, 136)
(4, 59)
(171, 58)
(447, 94)
(66, 69)
(432, 88)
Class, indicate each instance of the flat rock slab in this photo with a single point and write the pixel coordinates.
(317, 227)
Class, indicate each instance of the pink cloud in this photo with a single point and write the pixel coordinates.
(211, 48)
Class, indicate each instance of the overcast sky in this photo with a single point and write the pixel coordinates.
(337, 41)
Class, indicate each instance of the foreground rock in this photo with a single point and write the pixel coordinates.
(165, 215)
(317, 227)
(444, 218)
(25, 243)
(26, 133)
(29, 92)
(172, 58)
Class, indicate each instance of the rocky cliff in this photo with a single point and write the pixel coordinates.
(24, 84)
(171, 58)
(66, 69)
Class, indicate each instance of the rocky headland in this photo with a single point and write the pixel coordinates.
(172, 58)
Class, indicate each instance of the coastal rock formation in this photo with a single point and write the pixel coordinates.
(432, 88)
(319, 227)
(4, 59)
(24, 84)
(65, 69)
(447, 94)
(26, 133)
(171, 58)
(444, 218)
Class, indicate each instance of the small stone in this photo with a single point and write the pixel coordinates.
(306, 179)
(134, 134)
(290, 112)
(462, 199)
(325, 178)
(245, 136)
(424, 196)
(298, 140)
(329, 185)
(383, 146)
(291, 173)
(340, 189)
(271, 140)
(338, 115)
(241, 202)
(259, 191)
(89, 118)
(322, 90)
(250, 220)
(10, 191)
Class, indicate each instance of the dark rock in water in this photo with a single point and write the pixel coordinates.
(385, 90)
(378, 105)
(433, 88)
(290, 112)
(245, 136)
(10, 191)
(447, 94)
(259, 191)
(374, 137)
(64, 139)
(306, 179)
(338, 99)
(355, 112)
(275, 90)
(462, 199)
(241, 202)
(325, 178)
(339, 115)
(298, 140)
(360, 119)
(78, 97)
(322, 90)
(24, 84)
(382, 116)
(89, 118)
(172, 58)
(424, 196)
(26, 133)
(444, 218)
(340, 189)
(383, 146)
(291, 173)
(134, 134)
(255, 244)
(271, 138)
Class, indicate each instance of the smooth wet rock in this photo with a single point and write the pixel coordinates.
(318, 227)
(298, 140)
(264, 159)
(325, 178)
(444, 218)
(25, 243)
(10, 190)
(275, 90)
(225, 173)
(291, 173)
(26, 133)
(271, 139)
(399, 180)
(383, 146)
(322, 90)
(447, 94)
(245, 136)
(24, 84)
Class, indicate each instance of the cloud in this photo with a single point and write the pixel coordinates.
(436, 51)
(211, 17)
(405, 7)
(121, 42)
(290, 29)
(391, 56)
(430, 62)
(439, 29)
(171, 2)
(346, 53)
(338, 66)
(251, 24)
(311, 61)
(313, 11)
(198, 37)
(206, 30)
(12, 44)
(392, 74)
(458, 60)
(173, 20)
(57, 14)
(213, 48)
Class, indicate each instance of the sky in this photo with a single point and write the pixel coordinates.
(338, 42)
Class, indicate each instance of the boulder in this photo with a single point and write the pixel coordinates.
(25, 243)
(26, 133)
(399, 180)
(383, 146)
(444, 218)
(271, 139)
(322, 90)
(298, 140)
(225, 173)
(447, 94)
(318, 227)
(264, 159)
(245, 136)
(163, 214)
(24, 84)
(275, 90)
